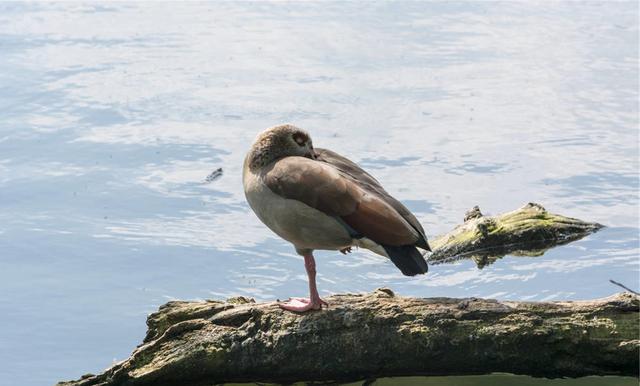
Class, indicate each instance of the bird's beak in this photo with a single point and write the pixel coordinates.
(312, 154)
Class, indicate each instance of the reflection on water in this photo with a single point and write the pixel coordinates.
(112, 116)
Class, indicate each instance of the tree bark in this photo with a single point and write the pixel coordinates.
(379, 334)
(374, 335)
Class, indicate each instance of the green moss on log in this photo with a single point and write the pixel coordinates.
(379, 334)
(527, 231)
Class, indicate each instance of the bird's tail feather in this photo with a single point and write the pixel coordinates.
(407, 258)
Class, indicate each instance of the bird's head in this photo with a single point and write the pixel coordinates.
(279, 142)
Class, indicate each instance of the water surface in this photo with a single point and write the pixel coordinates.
(113, 115)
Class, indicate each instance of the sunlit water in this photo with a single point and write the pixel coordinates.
(113, 115)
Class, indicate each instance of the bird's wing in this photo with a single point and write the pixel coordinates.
(325, 188)
(370, 184)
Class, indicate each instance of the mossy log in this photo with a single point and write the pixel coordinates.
(379, 334)
(527, 231)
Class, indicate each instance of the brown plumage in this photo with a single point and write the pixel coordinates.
(322, 186)
(370, 184)
(318, 199)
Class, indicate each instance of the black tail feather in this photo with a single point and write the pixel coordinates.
(408, 259)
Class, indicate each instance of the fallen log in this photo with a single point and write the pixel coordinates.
(380, 334)
(365, 336)
(527, 231)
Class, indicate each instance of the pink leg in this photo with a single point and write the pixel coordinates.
(314, 302)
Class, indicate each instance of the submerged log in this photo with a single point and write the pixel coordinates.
(527, 231)
(379, 334)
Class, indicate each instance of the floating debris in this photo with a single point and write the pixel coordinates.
(213, 176)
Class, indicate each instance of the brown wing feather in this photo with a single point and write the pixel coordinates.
(314, 184)
(379, 222)
(325, 188)
(368, 183)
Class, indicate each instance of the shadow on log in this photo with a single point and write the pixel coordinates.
(376, 335)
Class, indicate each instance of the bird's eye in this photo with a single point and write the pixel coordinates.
(300, 139)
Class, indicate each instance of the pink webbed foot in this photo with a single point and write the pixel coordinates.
(302, 304)
(314, 302)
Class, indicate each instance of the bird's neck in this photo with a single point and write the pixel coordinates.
(263, 152)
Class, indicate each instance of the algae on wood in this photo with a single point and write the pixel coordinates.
(379, 334)
(527, 231)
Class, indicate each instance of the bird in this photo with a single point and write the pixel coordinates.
(317, 199)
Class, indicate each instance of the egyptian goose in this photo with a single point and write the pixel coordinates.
(318, 199)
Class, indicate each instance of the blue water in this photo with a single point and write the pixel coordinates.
(112, 115)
